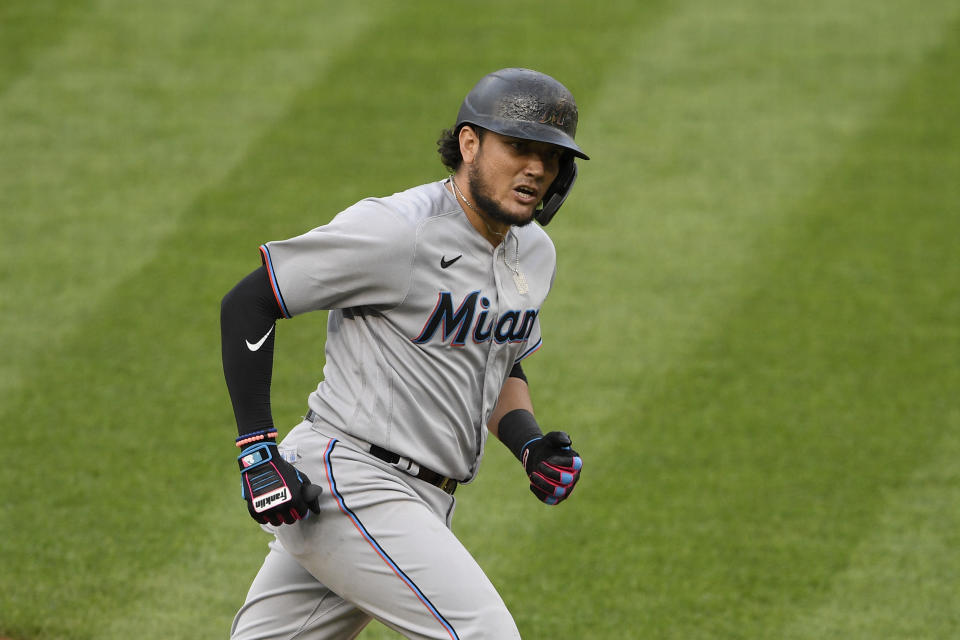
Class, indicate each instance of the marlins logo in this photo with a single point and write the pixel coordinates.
(561, 114)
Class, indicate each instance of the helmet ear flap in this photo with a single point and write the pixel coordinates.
(557, 193)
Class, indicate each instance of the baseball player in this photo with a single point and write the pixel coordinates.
(434, 298)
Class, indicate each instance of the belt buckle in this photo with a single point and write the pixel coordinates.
(448, 485)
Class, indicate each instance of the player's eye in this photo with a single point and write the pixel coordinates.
(551, 157)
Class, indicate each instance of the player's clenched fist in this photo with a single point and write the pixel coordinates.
(552, 466)
(275, 491)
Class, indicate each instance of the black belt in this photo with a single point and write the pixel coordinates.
(446, 484)
(449, 485)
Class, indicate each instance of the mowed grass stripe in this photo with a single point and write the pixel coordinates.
(829, 389)
(27, 27)
(900, 581)
(841, 352)
(684, 436)
(110, 134)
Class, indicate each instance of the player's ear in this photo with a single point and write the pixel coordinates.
(469, 143)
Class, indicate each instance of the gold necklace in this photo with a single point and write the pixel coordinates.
(474, 209)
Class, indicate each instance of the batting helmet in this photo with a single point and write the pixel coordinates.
(527, 104)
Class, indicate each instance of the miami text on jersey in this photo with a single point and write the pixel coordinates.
(512, 326)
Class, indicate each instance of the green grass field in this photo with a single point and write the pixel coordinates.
(754, 337)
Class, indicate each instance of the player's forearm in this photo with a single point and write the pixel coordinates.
(515, 394)
(552, 466)
(247, 316)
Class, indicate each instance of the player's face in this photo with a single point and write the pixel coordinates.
(510, 176)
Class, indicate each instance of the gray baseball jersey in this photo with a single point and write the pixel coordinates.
(426, 320)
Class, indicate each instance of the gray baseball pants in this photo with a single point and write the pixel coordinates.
(381, 547)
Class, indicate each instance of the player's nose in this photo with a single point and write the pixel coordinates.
(535, 164)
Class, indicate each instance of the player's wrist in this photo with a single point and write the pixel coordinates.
(275, 491)
(254, 437)
(518, 429)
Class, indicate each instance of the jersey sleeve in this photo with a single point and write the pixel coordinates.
(533, 343)
(363, 257)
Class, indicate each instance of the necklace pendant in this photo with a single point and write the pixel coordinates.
(521, 281)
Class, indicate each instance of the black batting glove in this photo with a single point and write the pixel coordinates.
(552, 466)
(276, 493)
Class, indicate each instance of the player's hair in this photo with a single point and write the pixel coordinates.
(448, 146)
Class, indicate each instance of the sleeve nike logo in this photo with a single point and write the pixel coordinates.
(255, 346)
(444, 263)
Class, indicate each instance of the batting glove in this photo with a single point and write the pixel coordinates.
(275, 491)
(552, 466)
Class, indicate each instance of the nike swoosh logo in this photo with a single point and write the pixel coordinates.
(444, 263)
(259, 343)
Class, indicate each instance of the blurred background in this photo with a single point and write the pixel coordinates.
(753, 338)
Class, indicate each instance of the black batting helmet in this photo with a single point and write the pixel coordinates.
(527, 104)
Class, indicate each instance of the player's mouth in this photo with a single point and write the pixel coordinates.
(526, 194)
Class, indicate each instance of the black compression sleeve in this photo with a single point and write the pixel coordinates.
(248, 314)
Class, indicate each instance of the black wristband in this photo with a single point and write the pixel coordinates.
(517, 372)
(517, 429)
